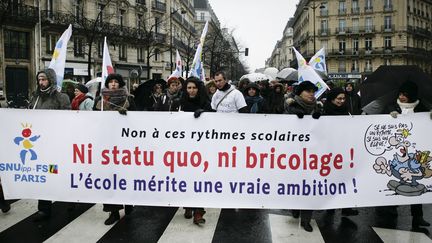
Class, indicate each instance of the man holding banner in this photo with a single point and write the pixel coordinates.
(47, 97)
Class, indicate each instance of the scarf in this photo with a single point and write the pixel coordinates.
(114, 99)
(334, 110)
(308, 107)
(407, 108)
(254, 101)
(77, 101)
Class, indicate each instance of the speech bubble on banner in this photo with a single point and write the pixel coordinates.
(377, 136)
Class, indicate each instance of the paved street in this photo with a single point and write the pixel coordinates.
(84, 223)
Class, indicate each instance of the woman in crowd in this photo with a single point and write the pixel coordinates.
(115, 97)
(255, 102)
(82, 100)
(304, 103)
(170, 100)
(195, 99)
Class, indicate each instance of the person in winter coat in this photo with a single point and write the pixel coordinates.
(353, 100)
(407, 102)
(211, 88)
(155, 97)
(277, 99)
(170, 100)
(115, 97)
(47, 97)
(335, 106)
(255, 102)
(195, 99)
(83, 100)
(304, 103)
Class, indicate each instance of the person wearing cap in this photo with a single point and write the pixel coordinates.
(115, 98)
(47, 97)
(82, 100)
(304, 101)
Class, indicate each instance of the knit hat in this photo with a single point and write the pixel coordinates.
(117, 77)
(172, 80)
(82, 88)
(333, 93)
(410, 90)
(305, 85)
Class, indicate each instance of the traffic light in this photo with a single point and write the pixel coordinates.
(246, 52)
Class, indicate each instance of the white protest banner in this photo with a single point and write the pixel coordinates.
(217, 160)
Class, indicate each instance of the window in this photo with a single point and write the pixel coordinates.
(157, 25)
(100, 11)
(140, 54)
(368, 24)
(139, 21)
(78, 47)
(387, 4)
(50, 8)
(387, 23)
(342, 25)
(50, 43)
(156, 54)
(16, 44)
(121, 18)
(342, 8)
(355, 66)
(387, 62)
(324, 27)
(342, 46)
(355, 25)
(202, 16)
(368, 65)
(368, 44)
(355, 46)
(342, 66)
(143, 2)
(387, 42)
(100, 49)
(368, 5)
(123, 52)
(78, 11)
(355, 7)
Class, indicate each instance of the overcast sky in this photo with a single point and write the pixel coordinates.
(257, 24)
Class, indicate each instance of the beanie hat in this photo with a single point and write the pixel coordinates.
(333, 93)
(117, 77)
(172, 80)
(410, 90)
(82, 88)
(305, 85)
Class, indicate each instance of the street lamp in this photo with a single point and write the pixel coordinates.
(172, 12)
(313, 7)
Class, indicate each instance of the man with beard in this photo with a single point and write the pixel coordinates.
(47, 97)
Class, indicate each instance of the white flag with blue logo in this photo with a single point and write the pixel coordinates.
(197, 70)
(318, 62)
(58, 61)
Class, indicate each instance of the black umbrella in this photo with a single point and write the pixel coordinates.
(381, 88)
(143, 91)
(293, 76)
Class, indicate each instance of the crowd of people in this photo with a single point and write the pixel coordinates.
(216, 95)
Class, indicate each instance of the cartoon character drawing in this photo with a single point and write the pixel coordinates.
(26, 143)
(408, 167)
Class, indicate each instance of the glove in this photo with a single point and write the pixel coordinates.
(316, 115)
(198, 112)
(122, 111)
(394, 114)
(300, 115)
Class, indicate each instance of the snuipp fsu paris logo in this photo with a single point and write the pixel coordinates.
(26, 142)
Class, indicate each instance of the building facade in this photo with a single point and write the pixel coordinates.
(282, 54)
(361, 35)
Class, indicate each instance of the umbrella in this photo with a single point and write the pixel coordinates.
(293, 76)
(271, 72)
(381, 88)
(256, 77)
(143, 91)
(282, 74)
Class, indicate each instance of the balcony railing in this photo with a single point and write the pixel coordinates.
(324, 12)
(368, 9)
(342, 11)
(341, 30)
(355, 10)
(159, 6)
(323, 32)
(20, 14)
(388, 8)
(388, 28)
